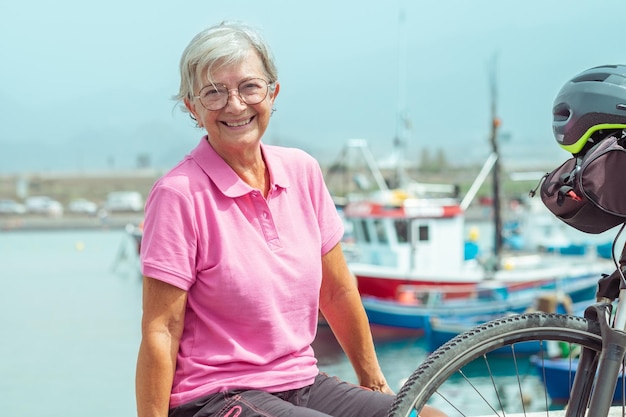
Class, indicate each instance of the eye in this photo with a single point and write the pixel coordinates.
(213, 91)
(251, 86)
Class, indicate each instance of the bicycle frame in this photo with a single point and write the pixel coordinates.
(604, 365)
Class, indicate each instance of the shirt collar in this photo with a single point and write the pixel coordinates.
(225, 178)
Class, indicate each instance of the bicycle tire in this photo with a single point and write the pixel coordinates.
(480, 345)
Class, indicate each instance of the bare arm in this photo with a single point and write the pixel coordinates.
(161, 329)
(341, 305)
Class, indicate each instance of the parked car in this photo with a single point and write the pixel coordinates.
(83, 206)
(124, 201)
(43, 205)
(11, 207)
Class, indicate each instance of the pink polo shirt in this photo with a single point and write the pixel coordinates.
(251, 266)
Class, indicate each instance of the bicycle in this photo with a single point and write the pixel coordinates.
(466, 363)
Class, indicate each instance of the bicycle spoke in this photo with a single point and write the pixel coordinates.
(493, 384)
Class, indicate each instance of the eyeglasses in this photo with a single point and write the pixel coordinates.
(215, 96)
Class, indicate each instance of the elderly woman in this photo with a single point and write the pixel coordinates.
(241, 248)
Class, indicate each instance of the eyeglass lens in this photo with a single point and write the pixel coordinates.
(215, 96)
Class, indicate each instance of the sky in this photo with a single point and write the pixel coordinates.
(88, 85)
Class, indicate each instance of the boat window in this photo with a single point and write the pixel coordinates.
(365, 231)
(402, 230)
(423, 233)
(381, 233)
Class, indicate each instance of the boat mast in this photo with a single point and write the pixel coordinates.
(497, 200)
(401, 138)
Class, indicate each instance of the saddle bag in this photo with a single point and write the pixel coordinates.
(588, 192)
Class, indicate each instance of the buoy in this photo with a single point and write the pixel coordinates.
(80, 246)
(474, 234)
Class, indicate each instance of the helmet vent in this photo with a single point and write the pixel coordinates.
(597, 77)
(561, 113)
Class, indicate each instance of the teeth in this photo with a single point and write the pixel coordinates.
(236, 124)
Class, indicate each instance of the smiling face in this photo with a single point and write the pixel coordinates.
(238, 125)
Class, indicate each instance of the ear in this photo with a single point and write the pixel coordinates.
(190, 106)
(276, 90)
(192, 110)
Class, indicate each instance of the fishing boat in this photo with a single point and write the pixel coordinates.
(409, 254)
(410, 264)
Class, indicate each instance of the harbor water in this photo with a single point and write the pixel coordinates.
(70, 324)
(71, 309)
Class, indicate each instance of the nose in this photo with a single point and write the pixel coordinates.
(237, 101)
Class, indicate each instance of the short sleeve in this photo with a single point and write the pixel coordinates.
(169, 243)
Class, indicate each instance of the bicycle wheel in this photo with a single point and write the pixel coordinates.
(497, 367)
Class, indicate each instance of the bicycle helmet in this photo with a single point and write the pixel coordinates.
(592, 101)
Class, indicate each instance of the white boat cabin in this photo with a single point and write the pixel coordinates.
(410, 235)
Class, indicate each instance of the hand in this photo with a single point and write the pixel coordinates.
(384, 388)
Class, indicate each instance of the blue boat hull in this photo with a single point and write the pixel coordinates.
(395, 319)
(558, 379)
(416, 316)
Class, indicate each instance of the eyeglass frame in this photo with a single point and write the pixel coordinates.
(269, 86)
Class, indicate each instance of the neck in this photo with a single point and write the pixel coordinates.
(249, 166)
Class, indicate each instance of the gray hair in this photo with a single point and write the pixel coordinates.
(220, 45)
